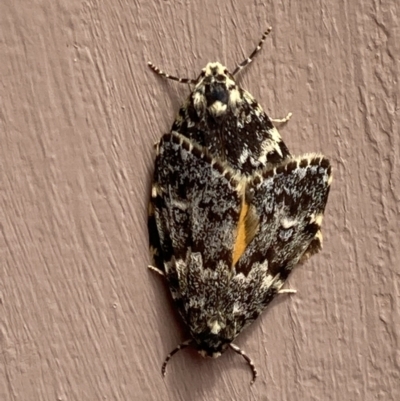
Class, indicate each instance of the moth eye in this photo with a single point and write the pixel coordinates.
(226, 72)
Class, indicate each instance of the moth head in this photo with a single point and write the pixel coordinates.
(215, 90)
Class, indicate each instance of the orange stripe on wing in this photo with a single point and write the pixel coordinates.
(241, 243)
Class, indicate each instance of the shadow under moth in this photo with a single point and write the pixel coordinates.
(231, 211)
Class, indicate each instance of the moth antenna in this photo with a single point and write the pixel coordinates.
(167, 76)
(172, 353)
(247, 358)
(248, 60)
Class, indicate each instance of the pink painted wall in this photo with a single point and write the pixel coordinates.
(81, 318)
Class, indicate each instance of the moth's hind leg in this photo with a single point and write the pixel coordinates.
(156, 254)
(156, 269)
(282, 120)
(287, 291)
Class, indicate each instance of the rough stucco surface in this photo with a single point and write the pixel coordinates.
(81, 318)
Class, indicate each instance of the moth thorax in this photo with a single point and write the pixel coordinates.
(215, 89)
(217, 98)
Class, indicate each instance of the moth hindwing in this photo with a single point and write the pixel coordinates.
(231, 211)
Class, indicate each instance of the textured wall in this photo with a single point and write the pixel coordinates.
(81, 318)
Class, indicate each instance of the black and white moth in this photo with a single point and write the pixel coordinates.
(231, 211)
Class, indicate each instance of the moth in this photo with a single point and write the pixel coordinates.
(231, 212)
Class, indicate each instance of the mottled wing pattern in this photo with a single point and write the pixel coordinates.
(243, 136)
(195, 206)
(198, 209)
(289, 202)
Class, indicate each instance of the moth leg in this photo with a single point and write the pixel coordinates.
(172, 353)
(248, 360)
(282, 120)
(248, 60)
(157, 270)
(167, 76)
(156, 254)
(287, 291)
